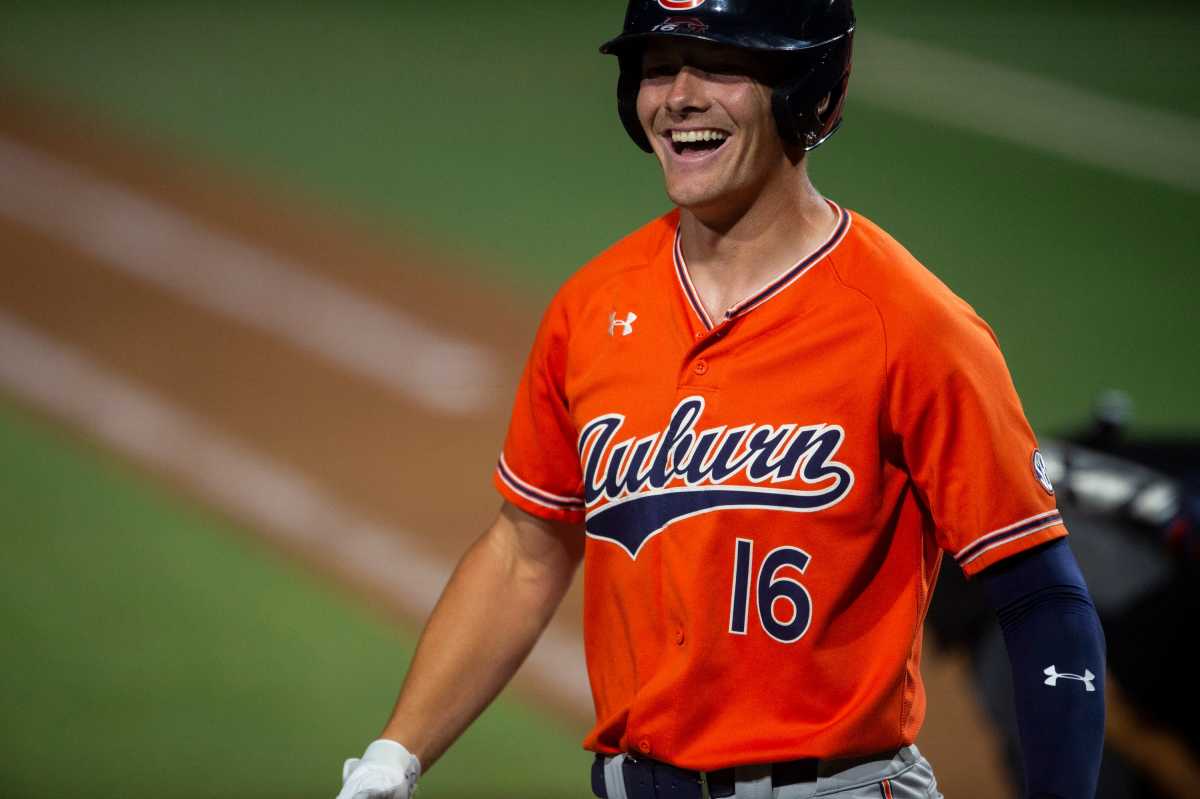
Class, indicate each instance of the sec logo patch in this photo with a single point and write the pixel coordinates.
(680, 5)
(1039, 471)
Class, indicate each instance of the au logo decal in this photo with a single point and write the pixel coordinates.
(1041, 472)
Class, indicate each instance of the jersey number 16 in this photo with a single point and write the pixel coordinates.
(783, 605)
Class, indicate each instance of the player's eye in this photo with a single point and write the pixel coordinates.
(651, 71)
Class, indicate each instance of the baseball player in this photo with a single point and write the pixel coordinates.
(760, 424)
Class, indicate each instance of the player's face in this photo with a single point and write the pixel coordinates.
(707, 112)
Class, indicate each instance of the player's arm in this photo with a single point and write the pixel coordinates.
(1051, 628)
(974, 460)
(499, 599)
(497, 603)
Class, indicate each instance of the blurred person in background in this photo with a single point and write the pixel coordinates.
(1133, 506)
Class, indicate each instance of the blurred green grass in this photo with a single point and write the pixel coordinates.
(152, 649)
(152, 644)
(1142, 52)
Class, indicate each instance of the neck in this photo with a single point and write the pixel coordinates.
(731, 255)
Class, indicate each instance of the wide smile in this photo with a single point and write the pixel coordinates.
(697, 144)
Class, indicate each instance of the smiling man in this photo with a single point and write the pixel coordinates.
(759, 423)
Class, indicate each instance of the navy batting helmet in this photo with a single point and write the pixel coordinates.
(809, 39)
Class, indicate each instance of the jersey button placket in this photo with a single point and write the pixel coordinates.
(698, 367)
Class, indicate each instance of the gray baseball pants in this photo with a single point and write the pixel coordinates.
(907, 775)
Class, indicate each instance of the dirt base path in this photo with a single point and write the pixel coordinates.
(396, 408)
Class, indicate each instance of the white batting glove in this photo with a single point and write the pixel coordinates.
(385, 771)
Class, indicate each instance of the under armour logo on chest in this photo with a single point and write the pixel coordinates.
(625, 324)
(1053, 676)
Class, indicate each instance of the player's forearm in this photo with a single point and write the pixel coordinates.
(489, 616)
(1056, 648)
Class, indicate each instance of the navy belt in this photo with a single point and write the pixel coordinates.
(653, 779)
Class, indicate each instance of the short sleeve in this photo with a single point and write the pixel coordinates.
(539, 468)
(966, 443)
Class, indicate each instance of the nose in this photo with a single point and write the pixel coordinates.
(687, 93)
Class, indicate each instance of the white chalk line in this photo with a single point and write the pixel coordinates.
(1028, 109)
(146, 239)
(276, 501)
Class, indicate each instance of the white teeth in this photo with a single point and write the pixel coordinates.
(682, 136)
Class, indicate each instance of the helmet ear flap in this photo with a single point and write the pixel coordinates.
(791, 116)
(809, 110)
(628, 84)
(831, 117)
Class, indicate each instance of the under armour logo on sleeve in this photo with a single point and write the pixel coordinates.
(625, 324)
(1053, 676)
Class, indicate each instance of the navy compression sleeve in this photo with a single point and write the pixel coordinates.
(1056, 649)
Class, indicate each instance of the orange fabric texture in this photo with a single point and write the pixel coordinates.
(768, 494)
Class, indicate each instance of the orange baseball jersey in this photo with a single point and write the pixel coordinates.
(767, 494)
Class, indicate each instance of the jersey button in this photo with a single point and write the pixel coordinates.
(699, 335)
(700, 367)
(679, 636)
(644, 746)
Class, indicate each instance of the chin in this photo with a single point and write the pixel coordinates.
(686, 194)
(711, 203)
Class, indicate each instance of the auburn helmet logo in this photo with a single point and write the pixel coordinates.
(680, 5)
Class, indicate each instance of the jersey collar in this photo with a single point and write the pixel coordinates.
(775, 286)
